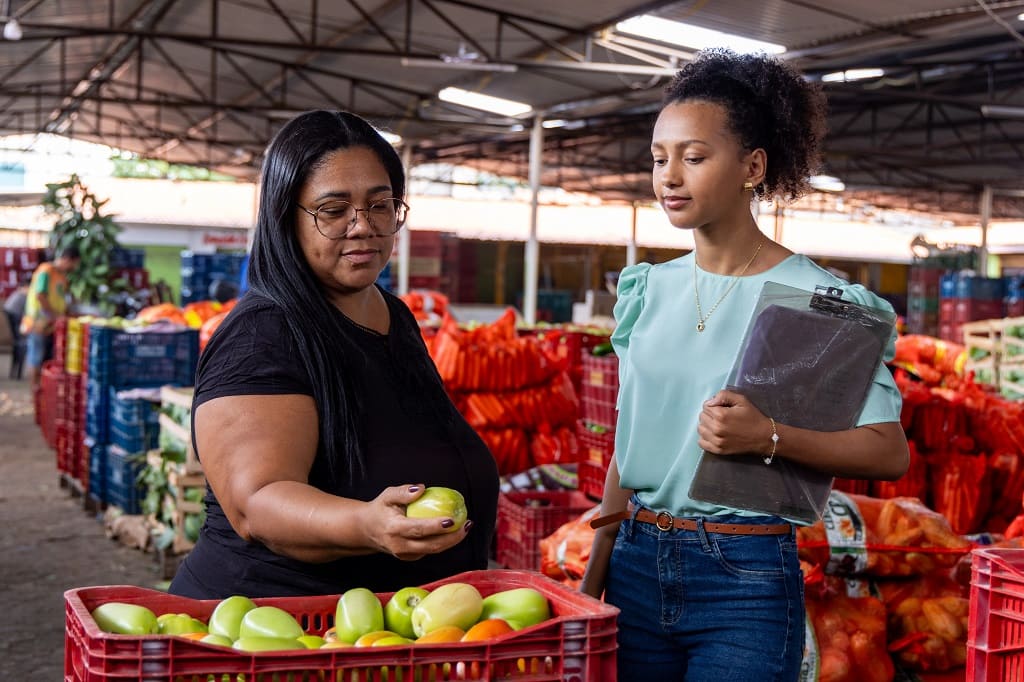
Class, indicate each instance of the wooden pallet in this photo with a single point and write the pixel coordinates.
(1011, 348)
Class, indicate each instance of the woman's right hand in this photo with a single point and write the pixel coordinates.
(392, 532)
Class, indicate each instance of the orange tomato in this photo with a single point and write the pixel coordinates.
(444, 634)
(487, 629)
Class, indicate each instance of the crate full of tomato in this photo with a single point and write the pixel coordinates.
(479, 625)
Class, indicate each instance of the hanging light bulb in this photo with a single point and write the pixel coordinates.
(12, 30)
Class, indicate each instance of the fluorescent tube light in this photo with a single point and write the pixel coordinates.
(999, 111)
(458, 65)
(852, 75)
(826, 183)
(554, 123)
(476, 100)
(677, 33)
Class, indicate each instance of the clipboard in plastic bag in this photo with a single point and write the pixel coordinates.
(807, 360)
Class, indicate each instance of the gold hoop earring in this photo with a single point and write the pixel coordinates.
(748, 186)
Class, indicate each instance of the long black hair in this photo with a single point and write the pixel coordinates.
(278, 271)
(770, 106)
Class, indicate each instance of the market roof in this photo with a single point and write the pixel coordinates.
(208, 82)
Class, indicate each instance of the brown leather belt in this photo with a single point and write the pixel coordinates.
(665, 521)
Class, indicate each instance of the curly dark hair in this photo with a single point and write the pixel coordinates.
(770, 106)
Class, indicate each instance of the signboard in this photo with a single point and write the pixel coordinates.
(229, 240)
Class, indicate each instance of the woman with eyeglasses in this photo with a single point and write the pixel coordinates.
(318, 414)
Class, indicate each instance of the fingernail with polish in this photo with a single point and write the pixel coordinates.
(414, 488)
(447, 523)
(467, 526)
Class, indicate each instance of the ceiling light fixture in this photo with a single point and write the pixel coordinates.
(458, 65)
(1000, 111)
(677, 33)
(476, 100)
(852, 75)
(12, 30)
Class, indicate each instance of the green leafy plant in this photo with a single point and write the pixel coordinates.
(81, 223)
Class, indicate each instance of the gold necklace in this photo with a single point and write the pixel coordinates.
(701, 317)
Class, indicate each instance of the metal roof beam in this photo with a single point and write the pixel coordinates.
(146, 16)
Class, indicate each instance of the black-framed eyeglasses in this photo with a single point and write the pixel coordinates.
(335, 219)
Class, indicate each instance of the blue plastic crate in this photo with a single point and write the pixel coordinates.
(135, 438)
(143, 358)
(979, 288)
(127, 258)
(1013, 287)
(122, 488)
(97, 469)
(129, 412)
(947, 285)
(97, 409)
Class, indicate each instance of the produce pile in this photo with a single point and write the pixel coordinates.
(453, 612)
(205, 316)
(517, 396)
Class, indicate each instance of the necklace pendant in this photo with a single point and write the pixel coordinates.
(700, 326)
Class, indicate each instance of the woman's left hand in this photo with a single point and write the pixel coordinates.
(731, 425)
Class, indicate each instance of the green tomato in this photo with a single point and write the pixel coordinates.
(398, 610)
(393, 640)
(217, 640)
(358, 612)
(269, 621)
(267, 644)
(226, 618)
(311, 641)
(457, 604)
(438, 502)
(521, 607)
(125, 619)
(179, 624)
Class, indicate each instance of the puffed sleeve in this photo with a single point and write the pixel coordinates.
(629, 304)
(884, 402)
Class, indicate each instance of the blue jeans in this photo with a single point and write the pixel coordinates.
(707, 607)
(39, 349)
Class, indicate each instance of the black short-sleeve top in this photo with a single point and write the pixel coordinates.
(255, 353)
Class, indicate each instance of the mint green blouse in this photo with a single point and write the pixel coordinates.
(667, 369)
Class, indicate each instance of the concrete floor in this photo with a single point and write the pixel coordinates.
(48, 544)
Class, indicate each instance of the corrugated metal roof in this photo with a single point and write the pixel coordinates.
(209, 81)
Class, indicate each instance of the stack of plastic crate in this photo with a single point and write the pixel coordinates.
(595, 430)
(965, 297)
(121, 430)
(200, 270)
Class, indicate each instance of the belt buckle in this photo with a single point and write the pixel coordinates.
(663, 521)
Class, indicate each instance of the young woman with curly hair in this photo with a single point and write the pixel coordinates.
(707, 592)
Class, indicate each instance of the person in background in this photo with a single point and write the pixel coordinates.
(14, 309)
(46, 301)
(318, 414)
(708, 593)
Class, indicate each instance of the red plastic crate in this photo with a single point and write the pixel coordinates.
(596, 450)
(525, 518)
(600, 388)
(60, 336)
(591, 479)
(995, 634)
(49, 377)
(577, 644)
(856, 486)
